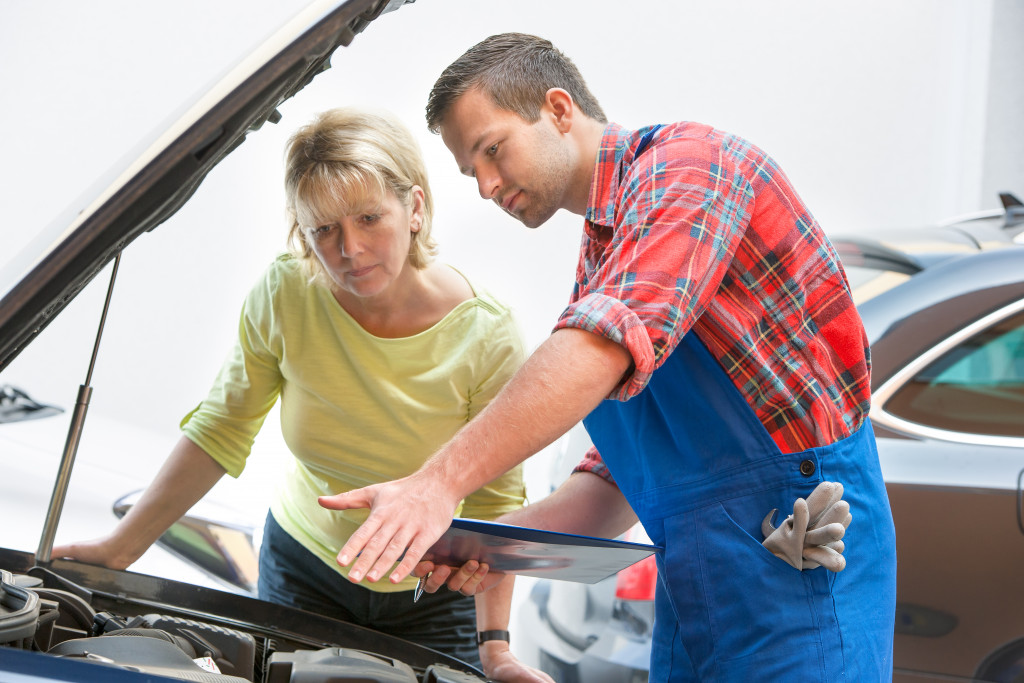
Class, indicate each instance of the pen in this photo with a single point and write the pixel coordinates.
(418, 593)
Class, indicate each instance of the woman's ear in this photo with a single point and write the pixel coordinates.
(418, 203)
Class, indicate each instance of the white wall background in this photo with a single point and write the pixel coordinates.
(1004, 156)
(876, 110)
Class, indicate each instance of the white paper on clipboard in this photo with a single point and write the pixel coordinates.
(535, 552)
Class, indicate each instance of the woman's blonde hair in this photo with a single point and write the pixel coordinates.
(346, 157)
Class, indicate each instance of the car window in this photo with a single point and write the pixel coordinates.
(977, 387)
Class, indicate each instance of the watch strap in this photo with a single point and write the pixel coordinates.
(483, 636)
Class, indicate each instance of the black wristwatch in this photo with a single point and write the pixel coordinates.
(483, 636)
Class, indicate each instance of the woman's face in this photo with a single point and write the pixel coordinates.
(365, 249)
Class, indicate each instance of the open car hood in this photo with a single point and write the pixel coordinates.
(155, 181)
(60, 619)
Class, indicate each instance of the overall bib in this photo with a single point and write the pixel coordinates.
(701, 472)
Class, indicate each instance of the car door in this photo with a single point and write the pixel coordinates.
(951, 438)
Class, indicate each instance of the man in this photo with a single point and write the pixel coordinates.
(713, 350)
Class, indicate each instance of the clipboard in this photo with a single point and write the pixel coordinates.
(535, 552)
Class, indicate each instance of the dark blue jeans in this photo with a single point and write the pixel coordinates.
(291, 575)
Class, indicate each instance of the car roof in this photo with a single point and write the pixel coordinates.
(910, 250)
(943, 281)
(924, 267)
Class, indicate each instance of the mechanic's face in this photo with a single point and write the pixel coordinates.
(524, 167)
(364, 248)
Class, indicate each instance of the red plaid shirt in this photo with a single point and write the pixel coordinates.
(703, 230)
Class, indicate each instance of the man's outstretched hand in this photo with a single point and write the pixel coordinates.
(406, 517)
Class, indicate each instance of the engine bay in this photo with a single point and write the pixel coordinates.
(59, 622)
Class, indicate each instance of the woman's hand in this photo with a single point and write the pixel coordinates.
(104, 552)
(501, 665)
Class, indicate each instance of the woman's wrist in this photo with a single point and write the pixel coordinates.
(491, 652)
(491, 635)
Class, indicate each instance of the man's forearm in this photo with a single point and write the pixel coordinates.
(560, 384)
(566, 378)
(584, 504)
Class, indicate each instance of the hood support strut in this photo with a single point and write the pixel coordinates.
(67, 461)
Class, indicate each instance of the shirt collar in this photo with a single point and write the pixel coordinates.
(604, 187)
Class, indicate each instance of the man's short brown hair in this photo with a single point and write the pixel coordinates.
(516, 70)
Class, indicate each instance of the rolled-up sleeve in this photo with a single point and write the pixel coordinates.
(593, 462)
(608, 317)
(226, 423)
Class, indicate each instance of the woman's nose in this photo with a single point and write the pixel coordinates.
(349, 243)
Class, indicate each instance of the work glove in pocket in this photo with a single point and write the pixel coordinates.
(812, 536)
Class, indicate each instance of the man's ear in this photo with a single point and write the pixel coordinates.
(559, 105)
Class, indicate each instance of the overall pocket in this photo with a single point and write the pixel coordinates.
(744, 613)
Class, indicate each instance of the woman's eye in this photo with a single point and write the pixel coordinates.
(492, 150)
(371, 218)
(321, 231)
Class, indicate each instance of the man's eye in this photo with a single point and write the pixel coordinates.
(492, 150)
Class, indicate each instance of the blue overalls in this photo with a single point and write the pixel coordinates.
(701, 471)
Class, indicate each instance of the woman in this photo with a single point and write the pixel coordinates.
(379, 354)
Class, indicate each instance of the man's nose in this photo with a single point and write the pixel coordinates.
(489, 183)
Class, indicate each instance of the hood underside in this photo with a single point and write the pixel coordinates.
(149, 188)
